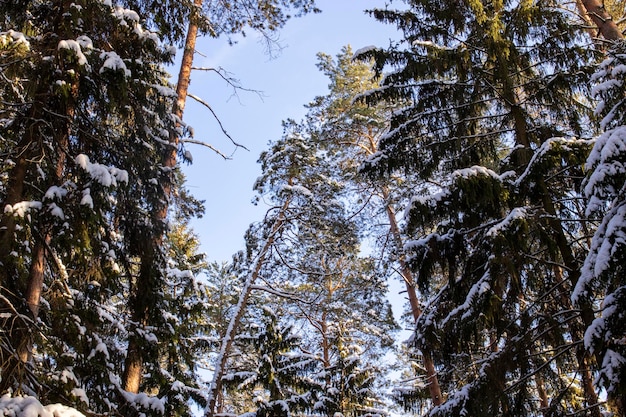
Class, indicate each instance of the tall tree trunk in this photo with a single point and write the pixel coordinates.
(431, 373)
(37, 269)
(563, 245)
(594, 10)
(325, 349)
(135, 359)
(233, 327)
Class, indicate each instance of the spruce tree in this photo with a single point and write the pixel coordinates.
(272, 369)
(86, 97)
(601, 280)
(496, 127)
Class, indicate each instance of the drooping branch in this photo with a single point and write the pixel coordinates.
(219, 122)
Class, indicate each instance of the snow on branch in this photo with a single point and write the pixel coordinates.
(106, 175)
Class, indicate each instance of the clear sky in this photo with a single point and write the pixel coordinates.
(287, 81)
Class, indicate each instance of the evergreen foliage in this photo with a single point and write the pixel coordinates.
(274, 370)
(85, 93)
(334, 297)
(220, 18)
(498, 128)
(477, 126)
(602, 277)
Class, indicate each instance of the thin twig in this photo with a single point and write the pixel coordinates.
(219, 122)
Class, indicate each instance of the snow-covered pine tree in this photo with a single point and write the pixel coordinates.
(336, 296)
(312, 256)
(283, 166)
(497, 126)
(339, 301)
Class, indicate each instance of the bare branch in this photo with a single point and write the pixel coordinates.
(219, 122)
(230, 80)
(207, 145)
(282, 294)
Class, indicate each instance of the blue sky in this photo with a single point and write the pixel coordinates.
(287, 81)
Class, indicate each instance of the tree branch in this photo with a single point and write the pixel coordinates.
(219, 122)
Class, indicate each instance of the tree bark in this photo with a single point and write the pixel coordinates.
(182, 86)
(133, 369)
(594, 10)
(431, 373)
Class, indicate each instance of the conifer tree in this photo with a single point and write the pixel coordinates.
(497, 237)
(602, 278)
(86, 95)
(282, 165)
(311, 264)
(597, 14)
(274, 370)
(351, 131)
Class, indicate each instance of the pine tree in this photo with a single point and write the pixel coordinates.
(281, 165)
(351, 131)
(336, 294)
(497, 234)
(596, 14)
(305, 253)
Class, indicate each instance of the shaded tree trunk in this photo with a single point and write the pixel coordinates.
(431, 373)
(146, 282)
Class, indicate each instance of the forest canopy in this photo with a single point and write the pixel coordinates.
(477, 160)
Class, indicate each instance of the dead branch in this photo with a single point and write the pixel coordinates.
(219, 122)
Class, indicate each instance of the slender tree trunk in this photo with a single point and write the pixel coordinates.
(325, 348)
(136, 356)
(431, 373)
(27, 150)
(15, 190)
(233, 327)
